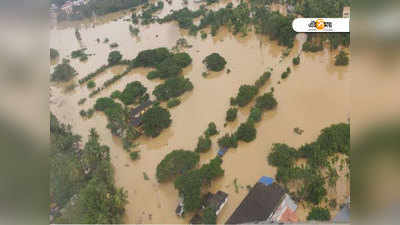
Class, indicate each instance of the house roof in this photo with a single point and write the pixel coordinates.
(140, 108)
(258, 205)
(266, 180)
(216, 200)
(288, 216)
(222, 151)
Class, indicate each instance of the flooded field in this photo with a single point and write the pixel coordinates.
(315, 95)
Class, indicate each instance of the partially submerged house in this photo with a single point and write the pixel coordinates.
(217, 201)
(135, 115)
(266, 202)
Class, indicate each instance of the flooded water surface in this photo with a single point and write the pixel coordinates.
(314, 96)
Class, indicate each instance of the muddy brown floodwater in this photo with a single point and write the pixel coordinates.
(315, 95)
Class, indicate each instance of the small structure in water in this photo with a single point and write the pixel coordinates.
(135, 115)
(217, 201)
(222, 151)
(179, 209)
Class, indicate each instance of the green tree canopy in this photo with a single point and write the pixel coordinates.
(319, 214)
(266, 101)
(114, 57)
(175, 163)
(132, 93)
(245, 95)
(63, 72)
(155, 120)
(172, 88)
(246, 132)
(215, 62)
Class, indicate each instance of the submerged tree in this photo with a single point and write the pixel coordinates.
(215, 62)
(63, 72)
(155, 120)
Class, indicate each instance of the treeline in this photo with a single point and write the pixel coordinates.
(180, 164)
(238, 20)
(320, 169)
(99, 7)
(167, 64)
(82, 180)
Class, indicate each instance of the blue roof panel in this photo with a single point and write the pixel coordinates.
(266, 180)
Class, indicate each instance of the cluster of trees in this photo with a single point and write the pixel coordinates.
(155, 120)
(211, 130)
(184, 17)
(296, 60)
(147, 13)
(63, 72)
(134, 30)
(215, 62)
(190, 184)
(176, 163)
(275, 25)
(116, 115)
(319, 214)
(98, 7)
(342, 59)
(246, 131)
(248, 92)
(172, 88)
(286, 73)
(231, 114)
(332, 140)
(80, 53)
(134, 93)
(91, 84)
(114, 57)
(82, 180)
(245, 95)
(203, 144)
(171, 66)
(173, 102)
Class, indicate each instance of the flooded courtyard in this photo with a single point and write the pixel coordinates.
(314, 96)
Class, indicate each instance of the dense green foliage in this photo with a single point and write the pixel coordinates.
(147, 13)
(132, 93)
(99, 7)
(255, 114)
(228, 141)
(116, 94)
(319, 214)
(172, 88)
(175, 163)
(286, 73)
(266, 101)
(173, 102)
(245, 95)
(63, 72)
(155, 120)
(80, 53)
(262, 80)
(184, 17)
(275, 25)
(204, 144)
(231, 114)
(114, 57)
(342, 59)
(246, 132)
(53, 53)
(332, 140)
(115, 113)
(86, 174)
(209, 216)
(91, 84)
(296, 60)
(215, 62)
(190, 183)
(134, 155)
(211, 130)
(152, 57)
